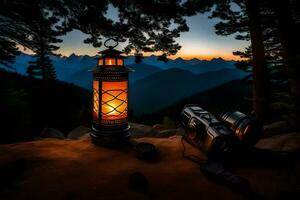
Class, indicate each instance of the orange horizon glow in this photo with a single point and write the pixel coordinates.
(178, 55)
(206, 57)
(181, 54)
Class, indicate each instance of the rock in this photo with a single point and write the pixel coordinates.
(284, 142)
(167, 133)
(140, 130)
(78, 132)
(276, 128)
(12, 172)
(180, 131)
(51, 133)
(138, 182)
(159, 127)
(171, 132)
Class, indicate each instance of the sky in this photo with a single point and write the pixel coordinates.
(199, 42)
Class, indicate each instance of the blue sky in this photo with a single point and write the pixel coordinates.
(200, 42)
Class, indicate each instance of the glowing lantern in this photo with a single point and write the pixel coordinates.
(110, 99)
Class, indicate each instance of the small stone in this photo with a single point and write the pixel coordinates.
(78, 132)
(276, 128)
(140, 130)
(180, 131)
(159, 127)
(51, 133)
(168, 133)
(138, 182)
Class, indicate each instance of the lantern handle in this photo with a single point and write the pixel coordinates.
(111, 46)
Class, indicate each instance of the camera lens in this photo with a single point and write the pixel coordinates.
(247, 129)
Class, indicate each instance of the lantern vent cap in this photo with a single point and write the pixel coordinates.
(110, 51)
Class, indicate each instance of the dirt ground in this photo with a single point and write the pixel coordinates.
(76, 169)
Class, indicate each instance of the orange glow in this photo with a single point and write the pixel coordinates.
(95, 100)
(110, 61)
(206, 56)
(187, 56)
(100, 62)
(114, 100)
(202, 56)
(120, 61)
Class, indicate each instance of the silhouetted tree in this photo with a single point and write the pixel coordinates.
(42, 67)
(33, 25)
(8, 51)
(44, 36)
(287, 13)
(277, 28)
(12, 31)
(245, 19)
(147, 26)
(261, 90)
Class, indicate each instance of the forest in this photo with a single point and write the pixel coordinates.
(37, 100)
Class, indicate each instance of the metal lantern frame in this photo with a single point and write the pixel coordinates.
(110, 122)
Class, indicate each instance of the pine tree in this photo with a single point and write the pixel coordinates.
(12, 33)
(274, 34)
(44, 38)
(147, 26)
(246, 22)
(8, 51)
(261, 89)
(287, 14)
(42, 68)
(33, 25)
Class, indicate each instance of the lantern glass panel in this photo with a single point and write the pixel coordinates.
(114, 100)
(110, 61)
(100, 61)
(95, 100)
(120, 61)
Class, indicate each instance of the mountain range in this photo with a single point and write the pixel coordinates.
(153, 84)
(166, 87)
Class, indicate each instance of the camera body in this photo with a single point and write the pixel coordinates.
(205, 131)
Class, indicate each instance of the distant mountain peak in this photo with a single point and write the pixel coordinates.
(179, 59)
(217, 59)
(73, 55)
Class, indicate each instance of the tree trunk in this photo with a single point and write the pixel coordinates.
(261, 90)
(289, 36)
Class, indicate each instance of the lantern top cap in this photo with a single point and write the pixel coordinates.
(110, 51)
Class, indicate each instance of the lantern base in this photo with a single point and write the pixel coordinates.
(113, 139)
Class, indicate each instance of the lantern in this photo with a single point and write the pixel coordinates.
(110, 99)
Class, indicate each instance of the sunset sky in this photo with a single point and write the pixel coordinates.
(200, 42)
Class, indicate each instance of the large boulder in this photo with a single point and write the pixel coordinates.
(52, 133)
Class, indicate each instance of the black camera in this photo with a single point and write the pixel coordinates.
(205, 131)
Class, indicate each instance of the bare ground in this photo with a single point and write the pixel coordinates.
(76, 169)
